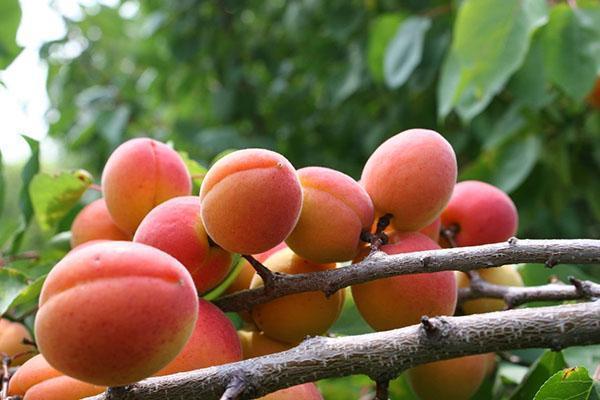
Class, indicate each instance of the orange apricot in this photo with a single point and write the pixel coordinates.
(256, 344)
(433, 230)
(140, 174)
(113, 313)
(453, 379)
(12, 335)
(213, 342)
(251, 200)
(402, 300)
(335, 210)
(95, 223)
(411, 176)
(291, 318)
(480, 213)
(175, 227)
(306, 391)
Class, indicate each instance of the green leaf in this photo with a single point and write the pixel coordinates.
(112, 125)
(381, 31)
(489, 45)
(11, 284)
(570, 383)
(196, 170)
(2, 186)
(571, 55)
(403, 53)
(27, 298)
(540, 371)
(54, 195)
(10, 18)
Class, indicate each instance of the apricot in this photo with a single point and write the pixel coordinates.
(113, 313)
(37, 380)
(453, 379)
(490, 363)
(11, 342)
(335, 210)
(256, 344)
(506, 275)
(402, 300)
(244, 278)
(95, 223)
(480, 213)
(306, 391)
(175, 227)
(433, 229)
(213, 342)
(411, 176)
(140, 174)
(291, 318)
(251, 200)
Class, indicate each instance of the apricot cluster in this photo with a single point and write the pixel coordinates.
(123, 304)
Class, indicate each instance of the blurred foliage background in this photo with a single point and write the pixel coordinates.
(508, 82)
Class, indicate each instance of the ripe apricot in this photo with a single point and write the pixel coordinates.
(11, 342)
(112, 313)
(453, 379)
(95, 223)
(433, 230)
(306, 391)
(291, 318)
(402, 300)
(37, 380)
(411, 176)
(480, 213)
(140, 174)
(175, 227)
(251, 200)
(213, 342)
(256, 344)
(506, 275)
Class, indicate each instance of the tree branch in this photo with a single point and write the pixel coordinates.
(379, 265)
(389, 352)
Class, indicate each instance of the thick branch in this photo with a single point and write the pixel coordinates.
(382, 354)
(379, 265)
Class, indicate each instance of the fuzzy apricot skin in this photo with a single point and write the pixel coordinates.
(291, 318)
(256, 344)
(113, 313)
(481, 213)
(453, 379)
(95, 223)
(12, 335)
(506, 275)
(402, 300)
(335, 210)
(37, 380)
(251, 200)
(213, 342)
(139, 175)
(411, 176)
(175, 227)
(306, 391)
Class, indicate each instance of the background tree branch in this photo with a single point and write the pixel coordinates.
(379, 265)
(381, 355)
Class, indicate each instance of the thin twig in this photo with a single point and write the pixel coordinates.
(265, 273)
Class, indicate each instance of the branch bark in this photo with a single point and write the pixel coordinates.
(382, 355)
(379, 265)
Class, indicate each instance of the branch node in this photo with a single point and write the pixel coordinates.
(382, 389)
(551, 262)
(235, 388)
(513, 241)
(117, 392)
(426, 261)
(555, 345)
(428, 324)
(582, 287)
(265, 273)
(382, 223)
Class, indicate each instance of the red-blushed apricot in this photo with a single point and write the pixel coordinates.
(453, 379)
(490, 363)
(11, 342)
(139, 175)
(402, 300)
(113, 313)
(506, 275)
(480, 213)
(335, 210)
(214, 342)
(37, 380)
(251, 200)
(306, 391)
(291, 318)
(411, 176)
(256, 344)
(95, 223)
(433, 230)
(175, 227)
(242, 281)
